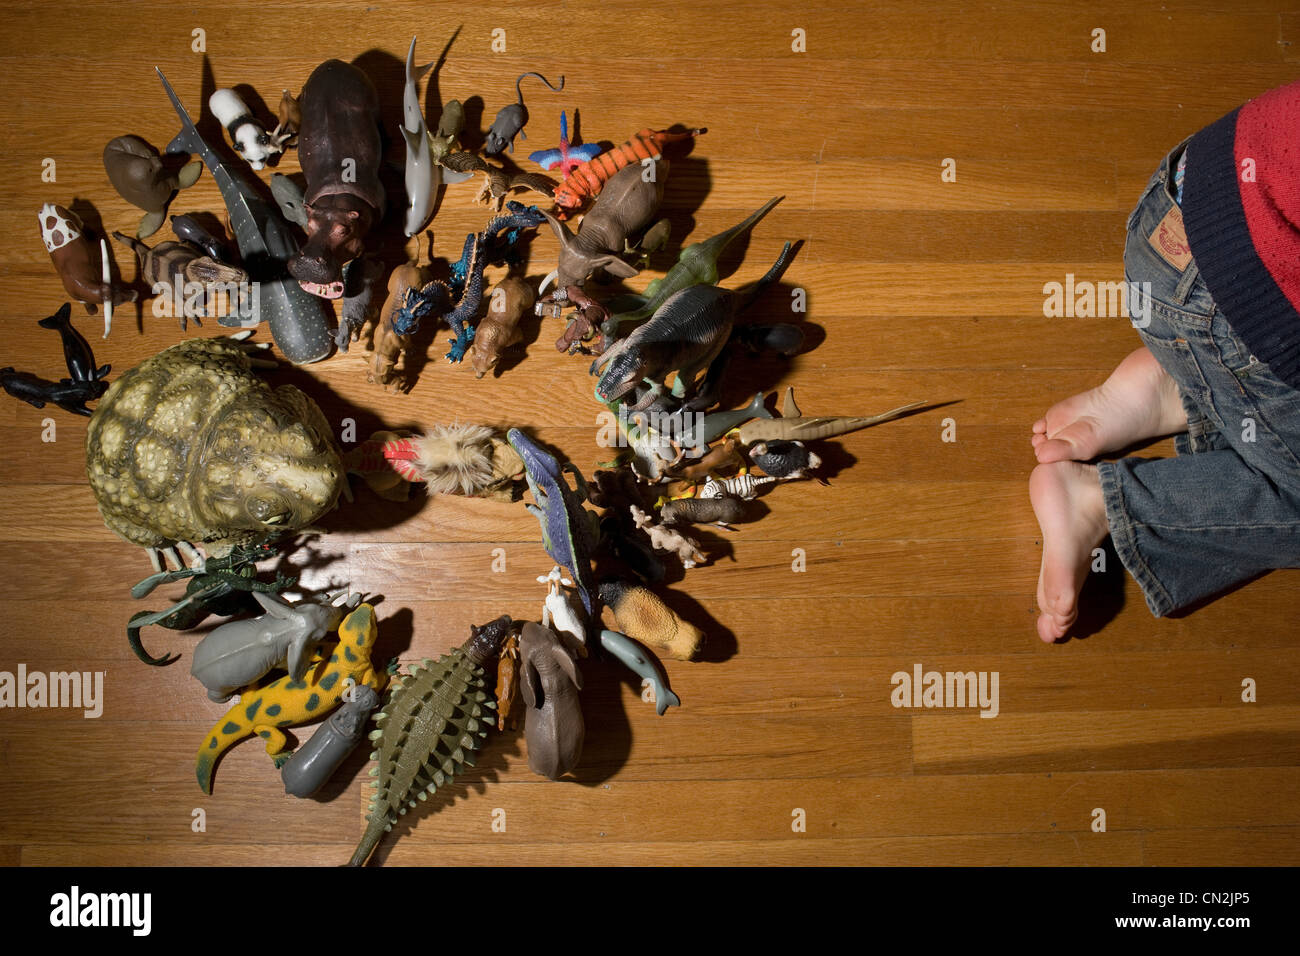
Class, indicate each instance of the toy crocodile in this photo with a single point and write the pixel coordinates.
(569, 531)
(431, 723)
(265, 710)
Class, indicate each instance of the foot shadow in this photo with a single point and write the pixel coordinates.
(1102, 597)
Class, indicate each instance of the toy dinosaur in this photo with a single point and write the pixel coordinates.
(642, 615)
(266, 710)
(404, 284)
(437, 299)
(511, 120)
(222, 586)
(240, 652)
(569, 531)
(685, 335)
(432, 721)
(299, 322)
(550, 681)
(140, 177)
(697, 264)
(567, 157)
(314, 762)
(626, 206)
(586, 180)
(642, 663)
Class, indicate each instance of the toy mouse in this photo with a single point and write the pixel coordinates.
(511, 120)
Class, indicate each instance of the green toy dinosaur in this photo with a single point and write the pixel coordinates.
(697, 264)
(430, 724)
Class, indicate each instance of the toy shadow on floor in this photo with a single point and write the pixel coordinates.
(367, 511)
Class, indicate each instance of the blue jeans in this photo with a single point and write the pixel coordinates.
(1227, 508)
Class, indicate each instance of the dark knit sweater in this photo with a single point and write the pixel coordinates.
(1241, 207)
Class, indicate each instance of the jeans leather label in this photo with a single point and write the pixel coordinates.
(1169, 238)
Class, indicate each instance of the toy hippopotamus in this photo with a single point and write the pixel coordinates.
(339, 148)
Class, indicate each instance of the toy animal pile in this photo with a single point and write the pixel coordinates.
(191, 449)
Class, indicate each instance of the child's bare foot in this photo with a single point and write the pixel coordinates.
(1137, 402)
(1071, 512)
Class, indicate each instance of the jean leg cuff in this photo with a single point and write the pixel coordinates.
(1125, 540)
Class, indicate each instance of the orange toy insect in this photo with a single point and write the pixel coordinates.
(587, 179)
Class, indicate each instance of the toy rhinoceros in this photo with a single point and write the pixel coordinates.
(240, 652)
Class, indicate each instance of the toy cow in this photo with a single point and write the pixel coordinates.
(82, 275)
(248, 136)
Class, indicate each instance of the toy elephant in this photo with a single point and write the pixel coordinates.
(240, 652)
(550, 681)
(625, 207)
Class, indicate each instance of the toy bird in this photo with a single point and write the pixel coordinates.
(566, 157)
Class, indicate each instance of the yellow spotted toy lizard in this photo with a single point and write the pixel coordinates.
(265, 710)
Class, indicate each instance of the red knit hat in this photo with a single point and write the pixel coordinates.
(1241, 207)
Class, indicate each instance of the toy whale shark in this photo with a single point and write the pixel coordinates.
(299, 321)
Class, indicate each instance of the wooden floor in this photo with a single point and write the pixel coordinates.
(918, 551)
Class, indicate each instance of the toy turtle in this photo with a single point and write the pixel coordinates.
(191, 446)
(141, 177)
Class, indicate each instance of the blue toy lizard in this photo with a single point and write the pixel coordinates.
(569, 531)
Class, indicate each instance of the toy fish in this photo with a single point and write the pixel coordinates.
(300, 322)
